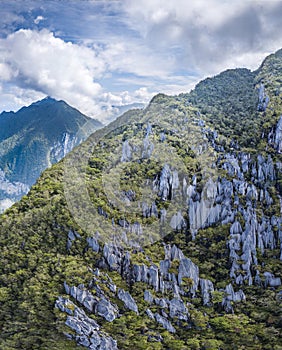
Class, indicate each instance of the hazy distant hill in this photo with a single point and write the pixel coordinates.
(34, 138)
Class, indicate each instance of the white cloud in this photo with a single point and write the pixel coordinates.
(209, 35)
(5, 204)
(37, 64)
(13, 97)
(6, 72)
(38, 19)
(125, 97)
(125, 51)
(47, 64)
(132, 56)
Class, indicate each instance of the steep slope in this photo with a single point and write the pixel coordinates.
(34, 138)
(161, 231)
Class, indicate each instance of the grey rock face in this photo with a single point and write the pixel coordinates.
(11, 191)
(263, 99)
(271, 281)
(86, 331)
(65, 305)
(163, 280)
(178, 309)
(150, 314)
(202, 212)
(72, 236)
(102, 306)
(164, 267)
(148, 297)
(148, 148)
(167, 183)
(82, 295)
(275, 136)
(230, 296)
(149, 275)
(93, 244)
(106, 309)
(113, 256)
(129, 302)
(173, 253)
(188, 269)
(177, 222)
(163, 303)
(107, 344)
(149, 210)
(164, 322)
(236, 228)
(206, 289)
(154, 277)
(278, 136)
(126, 152)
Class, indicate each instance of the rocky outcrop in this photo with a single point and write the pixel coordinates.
(203, 211)
(207, 289)
(166, 183)
(271, 281)
(72, 236)
(178, 310)
(263, 98)
(275, 136)
(106, 309)
(128, 301)
(278, 136)
(187, 269)
(63, 147)
(99, 305)
(148, 297)
(126, 152)
(177, 222)
(164, 322)
(93, 244)
(84, 330)
(231, 296)
(148, 146)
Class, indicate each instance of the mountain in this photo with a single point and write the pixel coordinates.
(162, 230)
(34, 138)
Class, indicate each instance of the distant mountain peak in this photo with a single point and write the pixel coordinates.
(47, 99)
(35, 137)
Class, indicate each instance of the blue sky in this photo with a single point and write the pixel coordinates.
(99, 54)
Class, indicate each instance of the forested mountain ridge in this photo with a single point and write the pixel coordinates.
(34, 138)
(161, 231)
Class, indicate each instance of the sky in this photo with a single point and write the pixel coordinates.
(96, 55)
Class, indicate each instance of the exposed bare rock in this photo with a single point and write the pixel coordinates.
(271, 281)
(206, 288)
(129, 302)
(106, 309)
(148, 297)
(230, 296)
(164, 322)
(126, 152)
(178, 309)
(86, 331)
(188, 269)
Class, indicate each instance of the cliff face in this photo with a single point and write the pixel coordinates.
(34, 138)
(161, 231)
